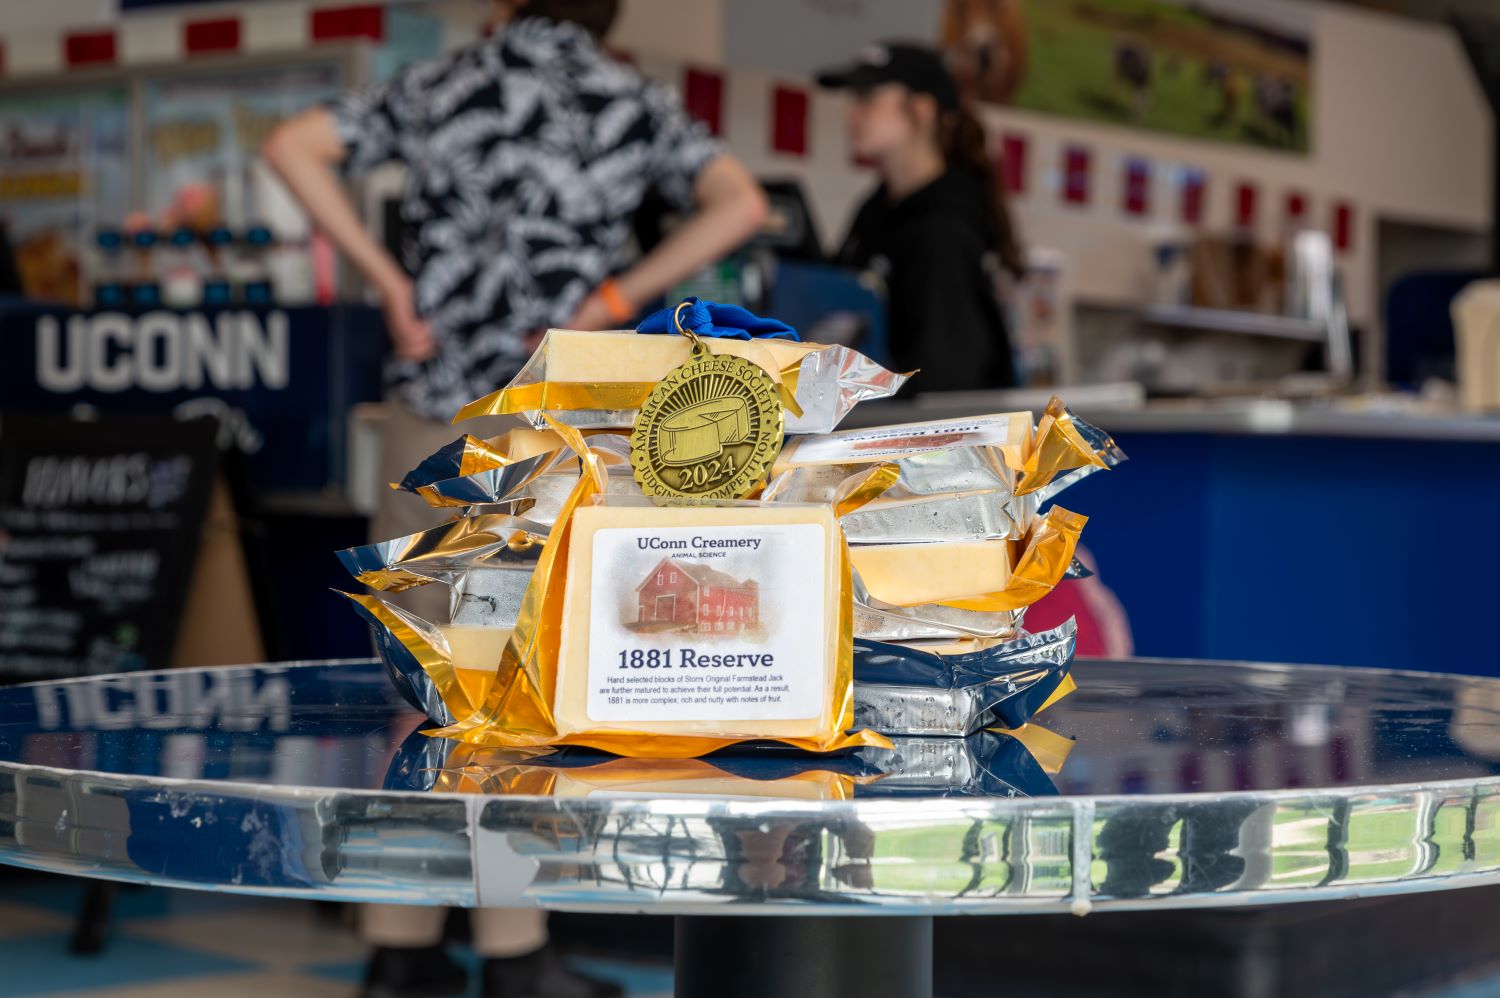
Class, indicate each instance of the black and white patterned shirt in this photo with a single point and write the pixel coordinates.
(527, 155)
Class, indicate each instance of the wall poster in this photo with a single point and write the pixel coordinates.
(1228, 70)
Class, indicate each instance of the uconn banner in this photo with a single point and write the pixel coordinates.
(282, 378)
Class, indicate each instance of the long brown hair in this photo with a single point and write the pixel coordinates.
(964, 146)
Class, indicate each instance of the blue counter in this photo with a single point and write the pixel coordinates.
(1279, 534)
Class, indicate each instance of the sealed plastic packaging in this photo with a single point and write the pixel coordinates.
(935, 458)
(931, 622)
(594, 380)
(903, 689)
(584, 614)
(995, 763)
(459, 466)
(535, 484)
(469, 455)
(897, 690)
(664, 631)
(1043, 560)
(978, 478)
(440, 553)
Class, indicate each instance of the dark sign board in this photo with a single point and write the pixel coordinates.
(99, 528)
(282, 378)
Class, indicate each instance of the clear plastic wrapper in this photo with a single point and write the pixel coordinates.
(593, 380)
(905, 690)
(440, 553)
(492, 485)
(951, 480)
(536, 485)
(557, 681)
(898, 690)
(935, 458)
(413, 651)
(930, 622)
(973, 516)
(1015, 763)
(1045, 558)
(1065, 450)
(490, 595)
(584, 614)
(469, 454)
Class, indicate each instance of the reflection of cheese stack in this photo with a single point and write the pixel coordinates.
(689, 778)
(702, 430)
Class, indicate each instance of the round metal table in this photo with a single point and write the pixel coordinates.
(1187, 784)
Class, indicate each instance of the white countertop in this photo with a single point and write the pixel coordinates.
(1346, 418)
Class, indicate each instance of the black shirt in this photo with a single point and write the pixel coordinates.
(944, 317)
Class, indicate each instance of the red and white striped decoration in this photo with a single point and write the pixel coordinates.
(339, 24)
(213, 37)
(703, 96)
(788, 124)
(790, 110)
(89, 48)
(155, 39)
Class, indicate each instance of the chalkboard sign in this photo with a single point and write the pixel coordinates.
(99, 529)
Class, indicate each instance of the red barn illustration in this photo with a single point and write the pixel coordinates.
(697, 596)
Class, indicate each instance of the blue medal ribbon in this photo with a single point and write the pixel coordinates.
(711, 318)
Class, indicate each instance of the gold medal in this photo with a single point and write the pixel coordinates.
(709, 430)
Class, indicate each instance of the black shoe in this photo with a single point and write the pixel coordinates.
(542, 975)
(418, 972)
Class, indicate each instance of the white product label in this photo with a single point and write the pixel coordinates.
(723, 623)
(882, 442)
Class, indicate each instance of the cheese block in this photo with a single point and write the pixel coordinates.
(522, 442)
(714, 621)
(578, 356)
(909, 574)
(475, 654)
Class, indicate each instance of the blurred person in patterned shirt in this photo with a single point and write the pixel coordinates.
(526, 155)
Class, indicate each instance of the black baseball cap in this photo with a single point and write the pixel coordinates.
(916, 67)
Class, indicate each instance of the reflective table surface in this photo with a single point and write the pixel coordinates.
(1158, 784)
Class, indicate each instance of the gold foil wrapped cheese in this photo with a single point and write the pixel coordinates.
(599, 380)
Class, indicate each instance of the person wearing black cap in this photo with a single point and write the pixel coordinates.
(936, 228)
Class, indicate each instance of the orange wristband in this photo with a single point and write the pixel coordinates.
(620, 310)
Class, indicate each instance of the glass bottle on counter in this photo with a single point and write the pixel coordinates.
(255, 261)
(145, 284)
(110, 269)
(181, 270)
(217, 286)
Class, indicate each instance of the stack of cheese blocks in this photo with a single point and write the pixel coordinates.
(931, 511)
(942, 531)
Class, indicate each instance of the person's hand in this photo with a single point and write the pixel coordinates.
(591, 313)
(411, 336)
